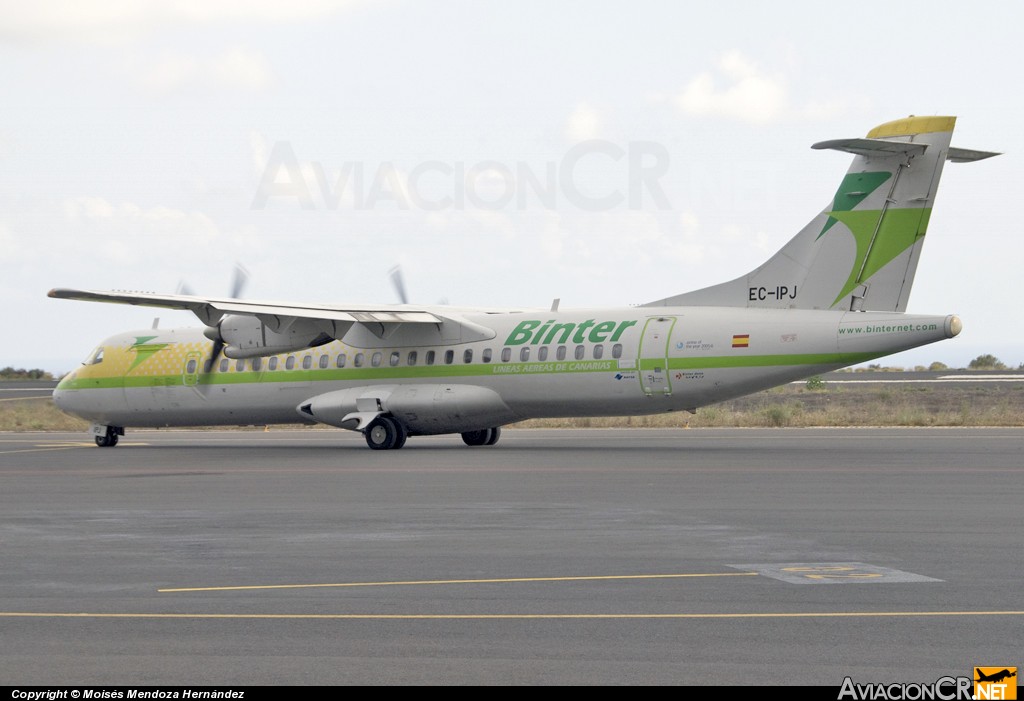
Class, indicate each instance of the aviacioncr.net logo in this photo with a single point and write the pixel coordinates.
(943, 689)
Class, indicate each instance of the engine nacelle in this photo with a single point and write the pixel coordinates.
(424, 409)
(248, 337)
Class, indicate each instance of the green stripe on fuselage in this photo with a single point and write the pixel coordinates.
(377, 375)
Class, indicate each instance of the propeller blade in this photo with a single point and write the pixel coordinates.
(218, 348)
(398, 281)
(239, 282)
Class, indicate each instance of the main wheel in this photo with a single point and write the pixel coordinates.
(403, 434)
(495, 435)
(385, 433)
(481, 437)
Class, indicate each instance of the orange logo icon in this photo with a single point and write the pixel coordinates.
(995, 683)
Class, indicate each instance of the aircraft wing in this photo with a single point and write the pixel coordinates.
(276, 315)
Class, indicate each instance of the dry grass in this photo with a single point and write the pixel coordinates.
(37, 415)
(995, 404)
(834, 405)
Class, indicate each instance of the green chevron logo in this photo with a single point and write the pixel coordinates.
(852, 191)
(144, 350)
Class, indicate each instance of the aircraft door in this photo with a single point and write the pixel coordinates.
(653, 355)
(190, 370)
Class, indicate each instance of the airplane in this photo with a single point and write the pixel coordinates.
(835, 295)
(996, 677)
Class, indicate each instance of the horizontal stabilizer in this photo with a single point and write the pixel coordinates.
(968, 155)
(872, 147)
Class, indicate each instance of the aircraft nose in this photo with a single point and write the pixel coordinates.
(60, 392)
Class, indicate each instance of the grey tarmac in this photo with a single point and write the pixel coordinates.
(613, 556)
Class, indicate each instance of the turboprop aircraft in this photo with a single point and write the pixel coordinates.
(834, 295)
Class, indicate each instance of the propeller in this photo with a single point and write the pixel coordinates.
(398, 281)
(238, 283)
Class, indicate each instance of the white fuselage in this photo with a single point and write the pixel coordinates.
(599, 362)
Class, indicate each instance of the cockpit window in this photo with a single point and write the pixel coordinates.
(95, 358)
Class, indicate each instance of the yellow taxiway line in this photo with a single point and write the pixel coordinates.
(507, 580)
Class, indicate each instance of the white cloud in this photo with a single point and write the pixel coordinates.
(259, 148)
(120, 20)
(11, 248)
(741, 89)
(584, 123)
(127, 233)
(238, 68)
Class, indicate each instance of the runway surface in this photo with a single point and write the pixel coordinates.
(645, 556)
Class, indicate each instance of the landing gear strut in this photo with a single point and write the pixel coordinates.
(485, 436)
(386, 433)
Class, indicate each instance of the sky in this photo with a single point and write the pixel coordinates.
(502, 153)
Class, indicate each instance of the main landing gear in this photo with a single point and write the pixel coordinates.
(388, 433)
(486, 436)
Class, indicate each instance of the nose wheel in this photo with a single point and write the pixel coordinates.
(108, 439)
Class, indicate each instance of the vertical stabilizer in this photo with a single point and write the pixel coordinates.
(860, 252)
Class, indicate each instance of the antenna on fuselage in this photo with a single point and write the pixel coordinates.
(554, 303)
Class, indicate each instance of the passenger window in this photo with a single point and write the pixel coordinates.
(323, 362)
(376, 358)
(208, 365)
(257, 363)
(598, 351)
(524, 353)
(560, 353)
(580, 352)
(307, 362)
(617, 350)
(467, 356)
(273, 363)
(395, 357)
(191, 366)
(359, 360)
(449, 356)
(341, 360)
(486, 355)
(411, 359)
(542, 353)
(430, 357)
(224, 365)
(289, 364)
(240, 366)
(506, 355)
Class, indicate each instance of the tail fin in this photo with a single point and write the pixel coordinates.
(861, 252)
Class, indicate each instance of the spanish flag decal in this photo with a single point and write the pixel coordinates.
(741, 340)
